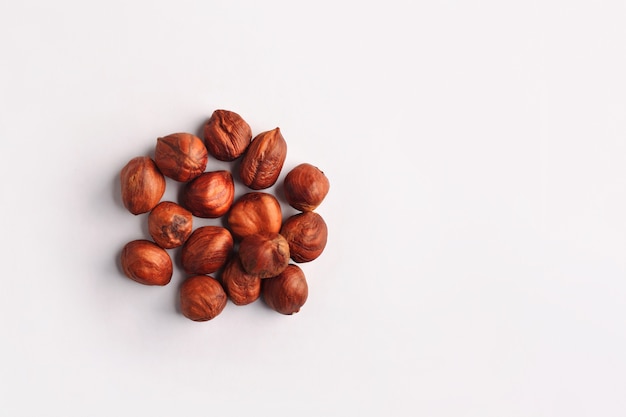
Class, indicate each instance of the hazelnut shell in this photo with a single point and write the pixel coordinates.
(142, 184)
(255, 212)
(210, 195)
(241, 287)
(305, 187)
(181, 156)
(264, 254)
(226, 135)
(287, 292)
(202, 298)
(170, 224)
(306, 234)
(206, 250)
(264, 159)
(145, 262)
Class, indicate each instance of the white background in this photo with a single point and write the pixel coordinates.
(477, 236)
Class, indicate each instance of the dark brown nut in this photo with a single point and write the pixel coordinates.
(210, 195)
(206, 250)
(307, 234)
(241, 287)
(264, 159)
(287, 292)
(181, 156)
(145, 262)
(169, 224)
(202, 298)
(305, 187)
(264, 254)
(226, 135)
(143, 185)
(255, 212)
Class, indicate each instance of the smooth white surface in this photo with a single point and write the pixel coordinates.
(476, 258)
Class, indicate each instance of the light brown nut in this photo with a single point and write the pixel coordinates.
(210, 195)
(264, 254)
(226, 135)
(241, 287)
(305, 187)
(181, 156)
(142, 184)
(170, 224)
(206, 250)
(306, 234)
(255, 212)
(287, 292)
(202, 298)
(264, 159)
(145, 262)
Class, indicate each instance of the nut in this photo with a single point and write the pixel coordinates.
(305, 187)
(264, 254)
(210, 195)
(241, 287)
(181, 156)
(226, 135)
(206, 250)
(169, 224)
(145, 262)
(306, 234)
(202, 298)
(255, 212)
(287, 292)
(264, 159)
(143, 185)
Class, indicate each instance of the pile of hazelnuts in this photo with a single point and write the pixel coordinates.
(251, 256)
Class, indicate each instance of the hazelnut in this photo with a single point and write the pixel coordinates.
(143, 185)
(242, 288)
(210, 195)
(169, 224)
(226, 135)
(264, 159)
(287, 292)
(145, 262)
(306, 234)
(264, 254)
(253, 213)
(206, 250)
(202, 298)
(305, 187)
(181, 156)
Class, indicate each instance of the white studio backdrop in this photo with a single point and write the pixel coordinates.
(475, 263)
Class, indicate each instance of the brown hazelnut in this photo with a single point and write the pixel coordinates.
(181, 156)
(287, 292)
(305, 187)
(307, 234)
(169, 224)
(226, 135)
(145, 262)
(202, 298)
(264, 159)
(241, 287)
(143, 185)
(210, 195)
(253, 213)
(206, 250)
(264, 254)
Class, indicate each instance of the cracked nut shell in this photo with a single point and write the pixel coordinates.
(226, 135)
(264, 254)
(169, 224)
(181, 156)
(287, 292)
(210, 195)
(306, 234)
(202, 298)
(264, 159)
(255, 212)
(242, 288)
(143, 185)
(305, 187)
(145, 262)
(206, 250)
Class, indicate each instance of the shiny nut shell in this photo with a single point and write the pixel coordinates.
(306, 234)
(206, 250)
(264, 159)
(170, 224)
(255, 212)
(202, 298)
(181, 156)
(226, 135)
(241, 287)
(142, 185)
(305, 187)
(287, 292)
(210, 195)
(264, 254)
(145, 262)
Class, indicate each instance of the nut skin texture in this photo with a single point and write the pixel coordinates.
(264, 159)
(264, 254)
(306, 234)
(145, 262)
(202, 298)
(206, 250)
(241, 287)
(169, 224)
(255, 212)
(181, 156)
(143, 185)
(226, 135)
(305, 187)
(210, 195)
(287, 292)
